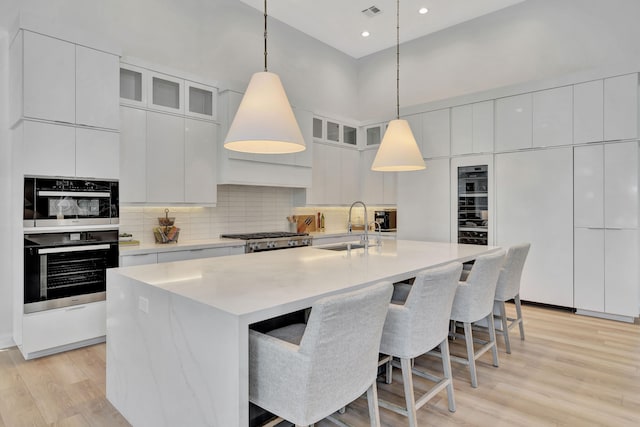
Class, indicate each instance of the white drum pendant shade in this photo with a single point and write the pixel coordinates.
(265, 123)
(399, 150)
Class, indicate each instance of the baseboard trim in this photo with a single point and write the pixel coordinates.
(6, 341)
(608, 316)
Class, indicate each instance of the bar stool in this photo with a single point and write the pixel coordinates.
(474, 302)
(508, 288)
(304, 373)
(416, 327)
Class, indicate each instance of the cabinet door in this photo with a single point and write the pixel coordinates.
(133, 155)
(621, 272)
(462, 130)
(415, 123)
(621, 185)
(165, 158)
(621, 107)
(200, 100)
(166, 93)
(588, 119)
(97, 88)
(49, 78)
(534, 203)
(349, 179)
(200, 152)
(436, 133)
(553, 117)
(97, 153)
(372, 181)
(133, 85)
(305, 121)
(318, 172)
(588, 190)
(423, 203)
(483, 127)
(138, 259)
(589, 269)
(49, 149)
(513, 122)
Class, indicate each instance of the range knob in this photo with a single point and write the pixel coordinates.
(293, 243)
(271, 245)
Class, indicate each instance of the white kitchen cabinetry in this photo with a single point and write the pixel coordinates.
(64, 82)
(166, 93)
(165, 158)
(472, 128)
(97, 86)
(201, 157)
(134, 85)
(138, 259)
(335, 175)
(200, 100)
(534, 204)
(513, 123)
(378, 188)
(64, 150)
(621, 107)
(97, 153)
(606, 221)
(424, 203)
(553, 117)
(133, 155)
(127, 260)
(588, 118)
(49, 331)
(436, 133)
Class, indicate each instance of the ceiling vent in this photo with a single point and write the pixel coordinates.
(372, 11)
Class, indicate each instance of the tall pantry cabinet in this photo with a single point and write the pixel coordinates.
(606, 229)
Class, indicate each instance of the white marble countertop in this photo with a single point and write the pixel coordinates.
(147, 248)
(256, 284)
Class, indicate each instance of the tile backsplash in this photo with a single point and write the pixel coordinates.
(240, 209)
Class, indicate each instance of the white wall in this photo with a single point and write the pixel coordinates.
(6, 301)
(218, 39)
(533, 40)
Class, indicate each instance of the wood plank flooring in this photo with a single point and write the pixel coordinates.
(571, 370)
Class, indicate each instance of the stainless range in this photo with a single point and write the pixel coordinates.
(270, 241)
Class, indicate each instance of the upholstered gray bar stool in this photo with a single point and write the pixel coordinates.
(418, 326)
(474, 302)
(304, 373)
(508, 288)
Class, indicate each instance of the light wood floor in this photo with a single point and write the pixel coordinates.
(571, 370)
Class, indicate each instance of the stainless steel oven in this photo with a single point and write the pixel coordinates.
(59, 201)
(67, 268)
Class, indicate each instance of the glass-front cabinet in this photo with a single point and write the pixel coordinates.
(473, 204)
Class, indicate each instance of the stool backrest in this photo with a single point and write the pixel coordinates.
(509, 279)
(482, 282)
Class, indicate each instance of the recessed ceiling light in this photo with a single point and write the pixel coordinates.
(423, 10)
(365, 34)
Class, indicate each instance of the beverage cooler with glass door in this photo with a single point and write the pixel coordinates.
(473, 206)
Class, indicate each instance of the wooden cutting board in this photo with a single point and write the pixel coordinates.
(306, 223)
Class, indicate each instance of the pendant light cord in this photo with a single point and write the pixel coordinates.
(397, 59)
(265, 35)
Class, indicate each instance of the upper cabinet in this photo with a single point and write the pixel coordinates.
(378, 188)
(588, 118)
(436, 133)
(472, 128)
(145, 88)
(513, 123)
(60, 81)
(552, 117)
(621, 107)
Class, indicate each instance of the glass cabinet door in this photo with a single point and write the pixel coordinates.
(166, 93)
(200, 100)
(133, 86)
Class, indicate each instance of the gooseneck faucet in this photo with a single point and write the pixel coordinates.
(365, 237)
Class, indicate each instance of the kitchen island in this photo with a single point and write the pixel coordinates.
(177, 333)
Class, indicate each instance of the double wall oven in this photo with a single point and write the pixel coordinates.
(70, 239)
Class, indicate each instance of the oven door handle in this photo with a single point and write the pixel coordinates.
(46, 193)
(73, 249)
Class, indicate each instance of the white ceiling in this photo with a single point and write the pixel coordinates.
(339, 23)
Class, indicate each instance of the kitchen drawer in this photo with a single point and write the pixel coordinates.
(138, 259)
(44, 332)
(194, 254)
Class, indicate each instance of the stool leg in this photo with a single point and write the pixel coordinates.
(407, 379)
(519, 316)
(492, 339)
(446, 367)
(505, 325)
(374, 411)
(468, 337)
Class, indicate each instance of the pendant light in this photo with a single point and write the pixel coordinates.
(398, 151)
(265, 123)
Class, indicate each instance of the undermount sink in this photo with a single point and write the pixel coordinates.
(342, 246)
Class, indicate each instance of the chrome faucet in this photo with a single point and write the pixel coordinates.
(379, 237)
(364, 239)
